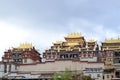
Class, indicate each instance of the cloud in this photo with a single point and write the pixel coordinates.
(91, 29)
(43, 22)
(10, 35)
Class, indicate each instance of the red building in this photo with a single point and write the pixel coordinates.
(74, 47)
(23, 54)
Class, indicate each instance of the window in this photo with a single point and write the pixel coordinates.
(103, 77)
(112, 76)
(5, 68)
(87, 69)
(10, 68)
(95, 69)
(13, 55)
(14, 60)
(107, 76)
(92, 69)
(90, 75)
(98, 75)
(15, 67)
(19, 55)
(104, 59)
(111, 59)
(44, 56)
(19, 60)
(25, 61)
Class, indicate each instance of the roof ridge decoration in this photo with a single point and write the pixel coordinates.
(74, 35)
(57, 42)
(25, 45)
(91, 40)
(112, 40)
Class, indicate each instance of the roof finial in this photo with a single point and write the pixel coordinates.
(74, 35)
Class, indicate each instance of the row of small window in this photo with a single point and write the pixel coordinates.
(109, 54)
(117, 60)
(93, 69)
(108, 76)
(16, 55)
(17, 60)
(19, 55)
(109, 59)
(98, 75)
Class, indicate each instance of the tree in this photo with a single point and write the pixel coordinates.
(67, 75)
(86, 78)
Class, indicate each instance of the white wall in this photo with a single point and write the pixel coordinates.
(28, 69)
(29, 61)
(60, 66)
(92, 59)
(2, 68)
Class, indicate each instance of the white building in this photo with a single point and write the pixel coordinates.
(7, 68)
(96, 73)
(45, 70)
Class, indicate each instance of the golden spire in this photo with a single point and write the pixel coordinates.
(58, 42)
(91, 40)
(25, 45)
(112, 40)
(74, 35)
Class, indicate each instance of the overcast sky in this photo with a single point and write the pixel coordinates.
(42, 22)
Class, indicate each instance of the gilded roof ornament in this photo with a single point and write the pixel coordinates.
(74, 35)
(25, 45)
(58, 42)
(91, 40)
(112, 40)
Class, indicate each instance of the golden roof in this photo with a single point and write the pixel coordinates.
(71, 44)
(25, 45)
(58, 42)
(91, 40)
(112, 40)
(74, 35)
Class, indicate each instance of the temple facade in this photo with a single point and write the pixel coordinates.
(24, 54)
(76, 53)
(74, 47)
(111, 57)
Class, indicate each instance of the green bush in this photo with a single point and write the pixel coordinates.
(68, 75)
